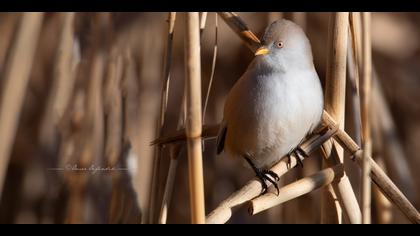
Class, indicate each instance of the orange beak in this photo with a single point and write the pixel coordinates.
(262, 51)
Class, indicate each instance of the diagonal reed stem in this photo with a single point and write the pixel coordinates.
(253, 188)
(296, 189)
(241, 29)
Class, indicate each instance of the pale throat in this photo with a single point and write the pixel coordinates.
(267, 64)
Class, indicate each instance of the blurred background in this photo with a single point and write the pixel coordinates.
(81, 149)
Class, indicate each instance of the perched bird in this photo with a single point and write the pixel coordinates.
(275, 104)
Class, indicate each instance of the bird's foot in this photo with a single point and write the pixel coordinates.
(300, 155)
(270, 176)
(263, 175)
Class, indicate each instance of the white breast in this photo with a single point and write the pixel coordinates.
(268, 115)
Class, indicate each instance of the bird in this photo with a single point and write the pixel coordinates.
(275, 103)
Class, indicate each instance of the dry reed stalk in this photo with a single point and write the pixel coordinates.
(161, 121)
(241, 29)
(76, 180)
(253, 187)
(383, 206)
(72, 119)
(389, 189)
(122, 207)
(128, 90)
(131, 98)
(174, 154)
(193, 119)
(213, 68)
(360, 109)
(88, 139)
(208, 131)
(334, 104)
(95, 117)
(75, 207)
(69, 154)
(203, 21)
(378, 176)
(366, 131)
(170, 182)
(296, 189)
(398, 168)
(113, 109)
(353, 72)
(16, 79)
(63, 83)
(8, 23)
(223, 212)
(330, 208)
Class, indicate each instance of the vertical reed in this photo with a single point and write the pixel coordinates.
(63, 83)
(353, 59)
(213, 68)
(193, 121)
(383, 207)
(203, 21)
(113, 109)
(163, 107)
(366, 141)
(334, 104)
(16, 79)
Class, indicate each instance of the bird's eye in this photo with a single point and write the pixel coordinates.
(280, 44)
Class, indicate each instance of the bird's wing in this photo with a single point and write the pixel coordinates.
(221, 137)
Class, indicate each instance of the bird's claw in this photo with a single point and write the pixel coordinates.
(264, 175)
(272, 174)
(300, 155)
(271, 177)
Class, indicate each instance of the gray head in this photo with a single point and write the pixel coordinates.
(285, 46)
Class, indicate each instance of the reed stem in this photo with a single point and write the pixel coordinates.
(366, 136)
(193, 121)
(16, 78)
(335, 87)
(160, 124)
(296, 189)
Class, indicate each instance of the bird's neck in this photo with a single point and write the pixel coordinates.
(265, 65)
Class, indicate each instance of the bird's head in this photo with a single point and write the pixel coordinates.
(285, 45)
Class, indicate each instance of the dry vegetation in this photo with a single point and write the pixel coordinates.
(83, 95)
